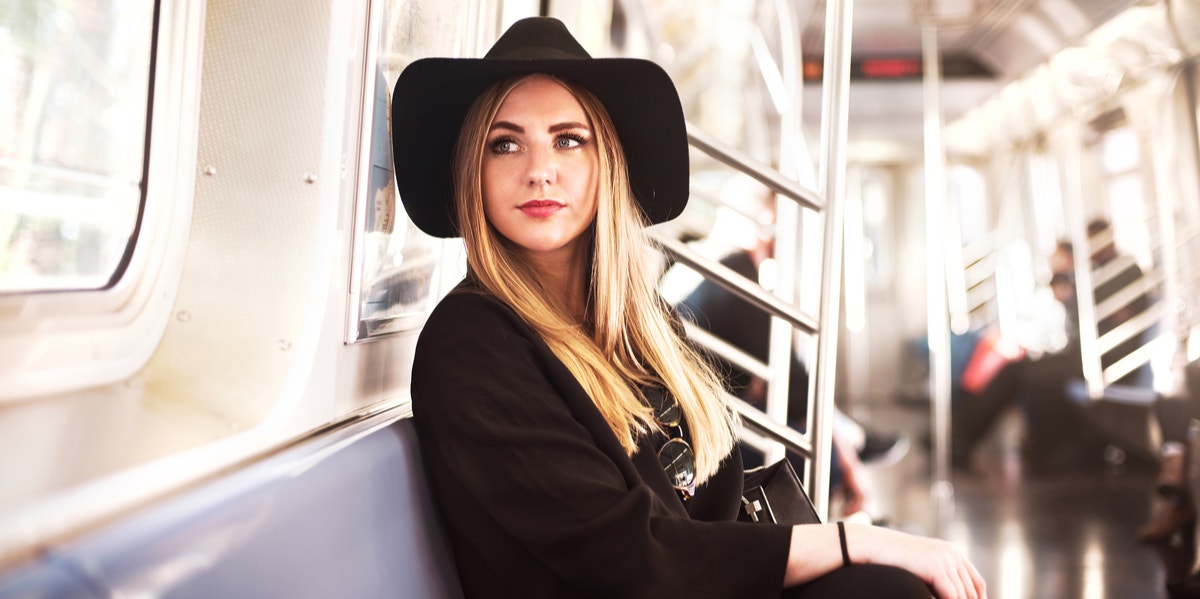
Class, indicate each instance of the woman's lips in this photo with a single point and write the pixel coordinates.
(540, 208)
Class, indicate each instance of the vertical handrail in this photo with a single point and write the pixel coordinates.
(936, 301)
(787, 227)
(831, 178)
(1171, 190)
(1190, 188)
(1075, 211)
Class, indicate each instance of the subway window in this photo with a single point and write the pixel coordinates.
(876, 226)
(967, 190)
(400, 279)
(1124, 189)
(74, 95)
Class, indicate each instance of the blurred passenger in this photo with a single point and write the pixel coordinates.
(1173, 517)
(1058, 432)
(575, 443)
(736, 321)
(976, 414)
(1172, 524)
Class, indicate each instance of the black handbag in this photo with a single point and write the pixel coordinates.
(774, 494)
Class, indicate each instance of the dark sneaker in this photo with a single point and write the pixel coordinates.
(883, 448)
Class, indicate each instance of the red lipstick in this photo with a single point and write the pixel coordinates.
(540, 208)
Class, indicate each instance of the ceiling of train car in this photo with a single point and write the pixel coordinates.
(985, 45)
(1006, 38)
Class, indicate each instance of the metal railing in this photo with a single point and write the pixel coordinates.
(814, 444)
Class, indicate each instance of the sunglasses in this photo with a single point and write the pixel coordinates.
(676, 457)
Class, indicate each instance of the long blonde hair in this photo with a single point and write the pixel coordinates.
(627, 339)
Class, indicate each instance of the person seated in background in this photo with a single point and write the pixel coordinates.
(979, 407)
(1058, 433)
(734, 320)
(1172, 523)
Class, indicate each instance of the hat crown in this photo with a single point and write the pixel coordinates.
(537, 38)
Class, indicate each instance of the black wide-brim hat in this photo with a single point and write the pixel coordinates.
(432, 97)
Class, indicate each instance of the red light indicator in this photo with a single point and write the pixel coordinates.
(890, 68)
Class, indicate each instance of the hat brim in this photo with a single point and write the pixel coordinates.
(432, 96)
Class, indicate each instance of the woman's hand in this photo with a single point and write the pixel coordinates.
(939, 563)
(816, 551)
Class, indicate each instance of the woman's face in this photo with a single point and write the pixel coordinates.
(539, 169)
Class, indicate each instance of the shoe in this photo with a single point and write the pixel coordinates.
(883, 448)
(1173, 515)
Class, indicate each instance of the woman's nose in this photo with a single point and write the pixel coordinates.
(541, 168)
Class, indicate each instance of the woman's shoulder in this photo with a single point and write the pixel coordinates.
(472, 352)
(466, 299)
(469, 316)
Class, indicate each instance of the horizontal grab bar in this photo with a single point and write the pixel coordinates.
(739, 285)
(760, 423)
(743, 162)
(726, 350)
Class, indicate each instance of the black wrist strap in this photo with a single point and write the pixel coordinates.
(842, 538)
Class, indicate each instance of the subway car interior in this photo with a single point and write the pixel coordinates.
(210, 292)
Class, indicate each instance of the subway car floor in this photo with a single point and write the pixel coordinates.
(1062, 535)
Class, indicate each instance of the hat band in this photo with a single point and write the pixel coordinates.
(538, 53)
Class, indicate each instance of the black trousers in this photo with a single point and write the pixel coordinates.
(1039, 388)
(863, 580)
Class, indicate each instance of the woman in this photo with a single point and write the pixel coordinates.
(576, 445)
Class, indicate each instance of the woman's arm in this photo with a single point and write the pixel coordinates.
(816, 550)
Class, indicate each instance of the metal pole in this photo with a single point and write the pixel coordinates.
(832, 178)
(787, 220)
(935, 218)
(1085, 298)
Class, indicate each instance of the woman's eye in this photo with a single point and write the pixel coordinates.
(503, 146)
(565, 142)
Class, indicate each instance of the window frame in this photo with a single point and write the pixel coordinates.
(56, 342)
(479, 19)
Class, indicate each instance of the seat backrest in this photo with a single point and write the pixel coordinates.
(346, 515)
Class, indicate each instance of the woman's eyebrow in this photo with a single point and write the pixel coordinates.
(566, 126)
(515, 128)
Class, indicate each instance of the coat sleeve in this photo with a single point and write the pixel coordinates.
(496, 429)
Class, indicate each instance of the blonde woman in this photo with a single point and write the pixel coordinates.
(577, 446)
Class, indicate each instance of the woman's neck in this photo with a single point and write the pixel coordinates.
(566, 277)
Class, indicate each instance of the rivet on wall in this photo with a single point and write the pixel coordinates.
(310, 178)
(210, 170)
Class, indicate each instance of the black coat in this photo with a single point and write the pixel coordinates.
(538, 496)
